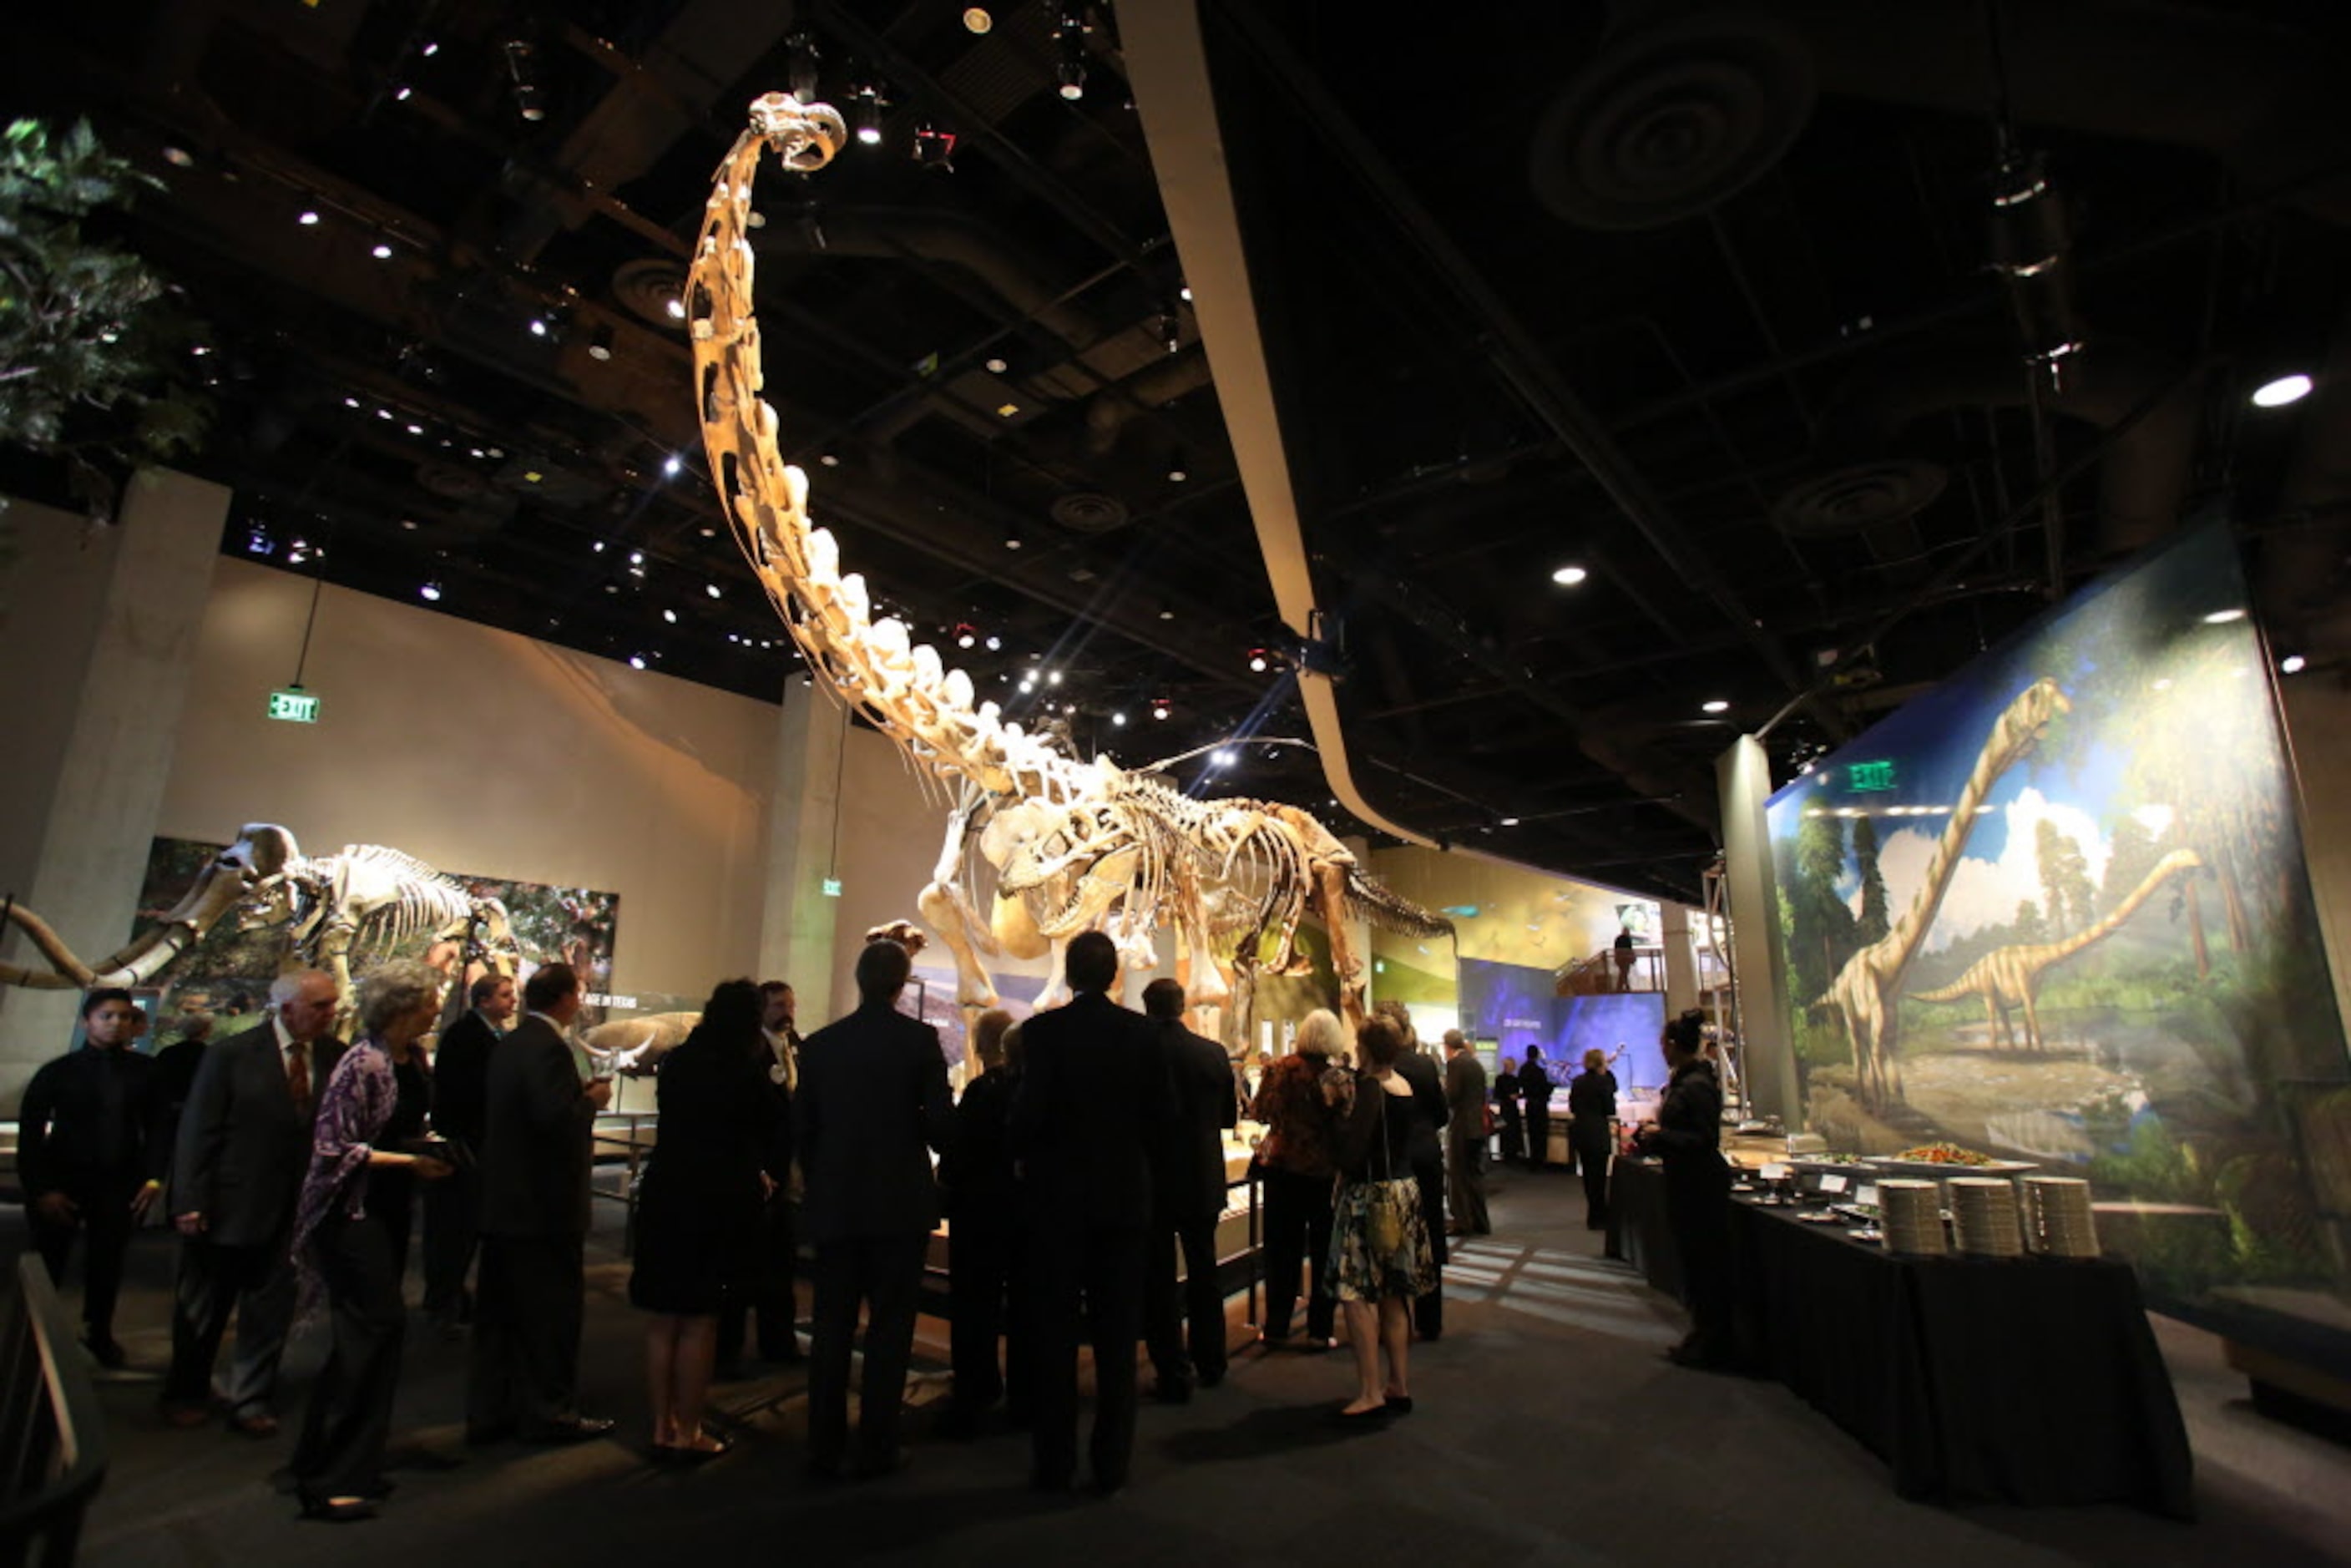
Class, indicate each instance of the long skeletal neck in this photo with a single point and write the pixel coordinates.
(2012, 736)
(900, 686)
(2168, 866)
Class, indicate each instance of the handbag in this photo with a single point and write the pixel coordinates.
(1385, 1228)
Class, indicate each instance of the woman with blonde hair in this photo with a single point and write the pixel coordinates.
(1294, 1160)
(1591, 1112)
(343, 1248)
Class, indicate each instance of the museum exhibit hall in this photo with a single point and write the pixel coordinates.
(1227, 781)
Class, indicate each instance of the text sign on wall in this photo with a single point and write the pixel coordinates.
(295, 706)
(1870, 775)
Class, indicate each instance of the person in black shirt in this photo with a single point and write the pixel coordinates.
(983, 1223)
(453, 1207)
(1689, 1137)
(1591, 1107)
(1428, 1155)
(770, 1288)
(91, 1152)
(1506, 1108)
(1626, 955)
(1186, 1332)
(1534, 1089)
(175, 1069)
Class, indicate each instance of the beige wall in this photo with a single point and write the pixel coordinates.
(54, 570)
(483, 752)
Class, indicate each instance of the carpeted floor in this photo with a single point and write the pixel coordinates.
(1547, 1431)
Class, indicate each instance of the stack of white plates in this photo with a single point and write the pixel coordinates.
(2058, 1215)
(1911, 1215)
(1983, 1212)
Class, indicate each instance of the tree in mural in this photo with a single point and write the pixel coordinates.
(1874, 920)
(2027, 926)
(2064, 878)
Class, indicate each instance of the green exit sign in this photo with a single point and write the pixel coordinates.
(1870, 775)
(295, 706)
(832, 887)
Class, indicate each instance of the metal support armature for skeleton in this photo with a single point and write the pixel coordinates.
(1075, 845)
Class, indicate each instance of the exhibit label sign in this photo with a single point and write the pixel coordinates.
(295, 706)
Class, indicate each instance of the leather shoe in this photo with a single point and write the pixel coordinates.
(342, 1510)
(263, 1426)
(577, 1430)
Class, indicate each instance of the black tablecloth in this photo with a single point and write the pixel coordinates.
(2031, 1381)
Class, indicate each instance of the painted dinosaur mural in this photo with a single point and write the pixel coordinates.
(1075, 845)
(2008, 977)
(1865, 991)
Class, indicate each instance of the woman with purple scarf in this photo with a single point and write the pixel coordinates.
(347, 1251)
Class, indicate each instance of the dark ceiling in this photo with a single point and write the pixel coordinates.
(1701, 299)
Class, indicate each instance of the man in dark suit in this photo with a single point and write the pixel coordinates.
(244, 1148)
(1093, 1101)
(772, 1290)
(1187, 1187)
(91, 1155)
(872, 1097)
(537, 1147)
(452, 1206)
(1465, 1137)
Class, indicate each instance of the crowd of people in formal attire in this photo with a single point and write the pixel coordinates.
(1083, 1175)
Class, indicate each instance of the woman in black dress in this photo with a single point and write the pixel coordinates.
(1592, 1111)
(698, 1210)
(1534, 1089)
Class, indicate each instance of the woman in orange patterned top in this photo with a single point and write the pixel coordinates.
(1296, 1166)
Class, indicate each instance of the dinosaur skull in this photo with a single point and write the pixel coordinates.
(1061, 867)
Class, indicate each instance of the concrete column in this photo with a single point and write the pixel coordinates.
(796, 927)
(1743, 778)
(1681, 964)
(109, 691)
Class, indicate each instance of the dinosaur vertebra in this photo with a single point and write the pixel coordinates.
(2008, 977)
(1075, 845)
(1864, 990)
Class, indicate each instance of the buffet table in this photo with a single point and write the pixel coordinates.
(2030, 1381)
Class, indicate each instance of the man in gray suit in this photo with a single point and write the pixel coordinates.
(1465, 1137)
(243, 1149)
(538, 1122)
(872, 1097)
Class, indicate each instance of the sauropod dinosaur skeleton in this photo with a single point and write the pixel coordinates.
(1075, 845)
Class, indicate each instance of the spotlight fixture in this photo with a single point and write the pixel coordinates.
(1176, 475)
(675, 308)
(997, 364)
(179, 158)
(670, 616)
(599, 344)
(713, 590)
(934, 149)
(804, 61)
(1184, 292)
(2293, 664)
(410, 524)
(522, 74)
(430, 592)
(1569, 576)
(865, 115)
(1069, 70)
(1052, 677)
(1012, 543)
(402, 93)
(1159, 710)
(1715, 705)
(636, 661)
(2282, 390)
(996, 645)
(1257, 661)
(1223, 757)
(310, 218)
(2222, 617)
(975, 19)
(672, 466)
(538, 326)
(1509, 821)
(1119, 720)
(1028, 684)
(350, 403)
(429, 48)
(636, 557)
(964, 636)
(381, 251)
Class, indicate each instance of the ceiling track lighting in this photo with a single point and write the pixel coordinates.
(803, 63)
(522, 75)
(935, 148)
(865, 114)
(600, 342)
(977, 20)
(1070, 69)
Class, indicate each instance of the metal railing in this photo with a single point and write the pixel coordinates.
(52, 1439)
